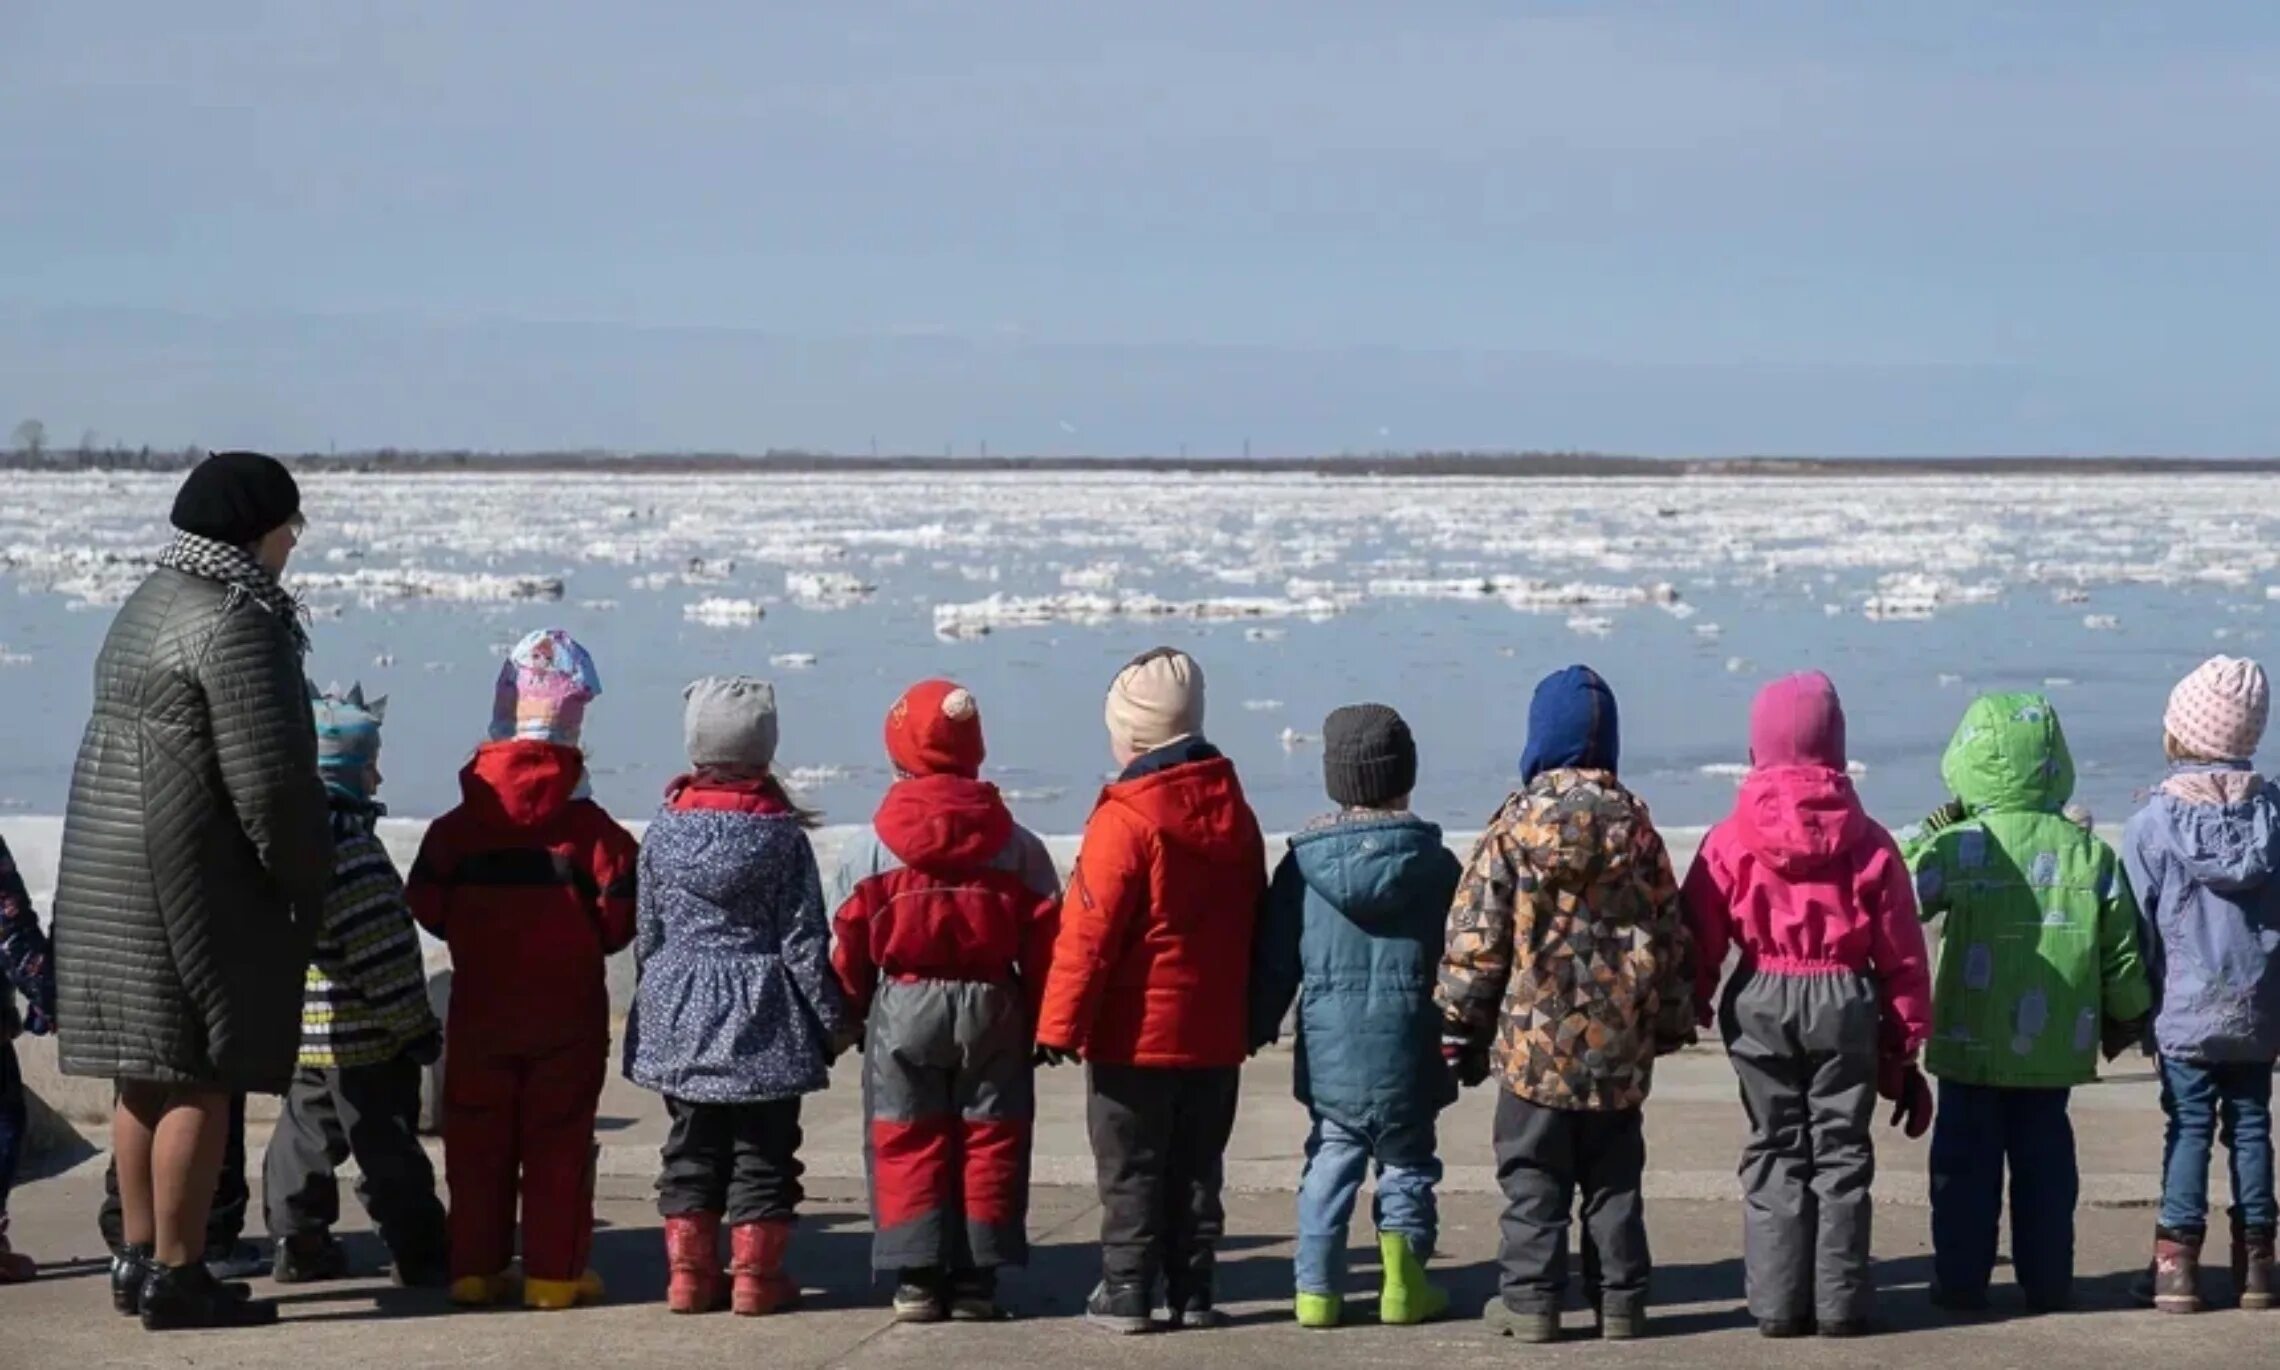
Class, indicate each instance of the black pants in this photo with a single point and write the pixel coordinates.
(1159, 1140)
(373, 1114)
(225, 1221)
(742, 1160)
(1545, 1158)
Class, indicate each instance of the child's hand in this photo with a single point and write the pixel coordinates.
(40, 1022)
(425, 1049)
(1469, 1063)
(848, 1038)
(1913, 1110)
(2116, 1037)
(1053, 1056)
(1946, 816)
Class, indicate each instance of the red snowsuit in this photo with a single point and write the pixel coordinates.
(945, 958)
(531, 889)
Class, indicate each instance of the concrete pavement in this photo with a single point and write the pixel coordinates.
(65, 1318)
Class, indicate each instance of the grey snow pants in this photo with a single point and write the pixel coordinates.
(1804, 1048)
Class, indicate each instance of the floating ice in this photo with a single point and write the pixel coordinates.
(1591, 625)
(1007, 611)
(9, 658)
(1262, 706)
(2070, 594)
(1736, 665)
(827, 589)
(1293, 739)
(1915, 595)
(2101, 623)
(1264, 634)
(725, 613)
(793, 661)
(814, 777)
(1708, 632)
(2057, 682)
(1949, 680)
(373, 585)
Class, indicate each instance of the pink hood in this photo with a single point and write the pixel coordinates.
(1799, 879)
(1801, 819)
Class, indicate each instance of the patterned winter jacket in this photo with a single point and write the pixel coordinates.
(1568, 944)
(366, 997)
(25, 967)
(735, 1001)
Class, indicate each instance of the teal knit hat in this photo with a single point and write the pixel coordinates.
(348, 737)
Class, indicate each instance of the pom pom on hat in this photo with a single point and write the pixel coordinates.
(936, 729)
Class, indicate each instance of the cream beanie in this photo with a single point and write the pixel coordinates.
(1156, 700)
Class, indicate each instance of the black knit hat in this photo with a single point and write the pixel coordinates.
(1368, 757)
(236, 497)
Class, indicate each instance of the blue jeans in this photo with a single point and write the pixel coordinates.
(1337, 1158)
(2203, 1100)
(1977, 1129)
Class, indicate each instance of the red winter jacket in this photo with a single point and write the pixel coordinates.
(1153, 964)
(946, 913)
(531, 889)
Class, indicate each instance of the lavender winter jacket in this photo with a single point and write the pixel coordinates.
(2204, 860)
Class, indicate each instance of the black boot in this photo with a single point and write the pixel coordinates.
(185, 1297)
(1121, 1308)
(310, 1258)
(973, 1296)
(130, 1266)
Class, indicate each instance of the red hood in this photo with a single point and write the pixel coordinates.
(944, 822)
(521, 784)
(1197, 804)
(761, 797)
(1799, 818)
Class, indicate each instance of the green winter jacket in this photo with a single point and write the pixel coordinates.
(2038, 941)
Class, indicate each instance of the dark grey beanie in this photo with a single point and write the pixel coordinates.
(1368, 757)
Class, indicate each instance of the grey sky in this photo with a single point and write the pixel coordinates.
(1943, 226)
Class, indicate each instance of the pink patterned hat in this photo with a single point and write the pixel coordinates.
(2219, 710)
(543, 688)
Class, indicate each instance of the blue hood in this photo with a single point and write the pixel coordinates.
(1571, 724)
(2228, 847)
(1369, 868)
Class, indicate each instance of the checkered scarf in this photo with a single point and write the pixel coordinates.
(248, 579)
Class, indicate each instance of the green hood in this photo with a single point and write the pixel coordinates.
(2010, 754)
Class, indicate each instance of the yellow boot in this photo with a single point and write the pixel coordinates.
(552, 1296)
(479, 1291)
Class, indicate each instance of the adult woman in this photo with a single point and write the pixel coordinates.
(196, 850)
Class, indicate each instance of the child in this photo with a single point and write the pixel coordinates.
(943, 956)
(532, 886)
(367, 1033)
(24, 969)
(735, 1014)
(2038, 963)
(1830, 999)
(1150, 977)
(1566, 944)
(1353, 928)
(2202, 857)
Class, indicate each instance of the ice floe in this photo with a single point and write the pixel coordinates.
(793, 661)
(718, 612)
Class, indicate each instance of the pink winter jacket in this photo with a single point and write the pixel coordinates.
(1800, 878)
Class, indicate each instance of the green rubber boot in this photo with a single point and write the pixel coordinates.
(1408, 1297)
(1320, 1310)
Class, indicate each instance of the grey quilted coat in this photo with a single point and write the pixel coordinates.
(196, 848)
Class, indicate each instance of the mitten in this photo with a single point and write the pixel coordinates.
(425, 1049)
(2116, 1036)
(1053, 1056)
(1913, 1111)
(1945, 816)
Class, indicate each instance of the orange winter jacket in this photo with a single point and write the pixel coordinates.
(1153, 961)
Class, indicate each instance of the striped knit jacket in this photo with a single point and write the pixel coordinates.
(367, 988)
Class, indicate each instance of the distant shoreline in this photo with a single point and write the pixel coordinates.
(1493, 465)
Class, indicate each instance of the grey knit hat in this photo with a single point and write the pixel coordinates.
(1368, 757)
(730, 722)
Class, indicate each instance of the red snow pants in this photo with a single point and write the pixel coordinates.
(521, 1123)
